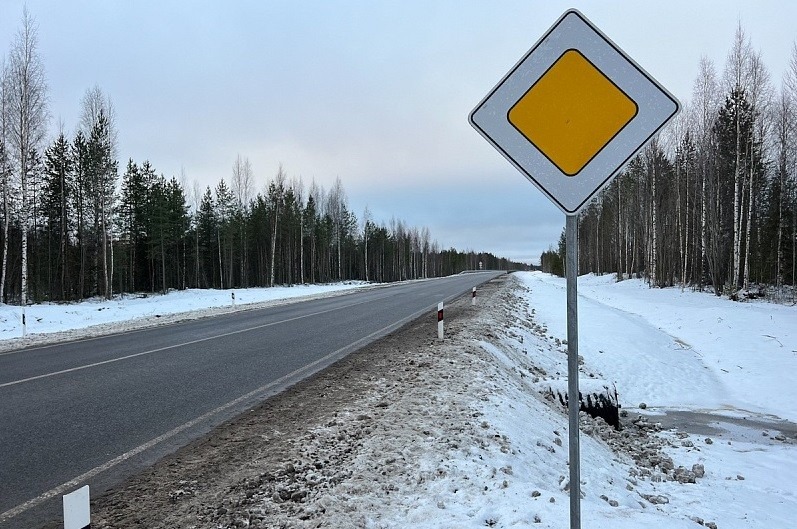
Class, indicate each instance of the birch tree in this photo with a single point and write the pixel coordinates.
(784, 136)
(761, 101)
(790, 96)
(5, 169)
(275, 191)
(336, 207)
(737, 79)
(25, 93)
(704, 109)
(98, 123)
(242, 186)
(297, 187)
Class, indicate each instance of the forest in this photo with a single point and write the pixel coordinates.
(76, 224)
(712, 202)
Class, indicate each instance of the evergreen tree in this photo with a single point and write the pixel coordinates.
(59, 190)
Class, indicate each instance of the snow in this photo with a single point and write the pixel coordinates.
(49, 321)
(691, 351)
(680, 349)
(464, 438)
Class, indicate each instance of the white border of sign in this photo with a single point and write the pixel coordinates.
(656, 106)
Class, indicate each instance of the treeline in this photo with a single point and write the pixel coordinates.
(713, 202)
(226, 238)
(73, 227)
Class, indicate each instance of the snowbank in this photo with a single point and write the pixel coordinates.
(98, 316)
(678, 349)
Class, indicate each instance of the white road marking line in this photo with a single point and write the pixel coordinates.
(80, 340)
(200, 340)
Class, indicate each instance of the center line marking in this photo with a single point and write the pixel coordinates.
(200, 340)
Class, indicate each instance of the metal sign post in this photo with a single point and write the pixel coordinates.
(573, 400)
(569, 116)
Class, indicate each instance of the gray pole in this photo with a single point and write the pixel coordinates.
(573, 401)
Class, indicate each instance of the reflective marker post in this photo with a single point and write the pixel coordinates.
(77, 513)
(440, 320)
(573, 400)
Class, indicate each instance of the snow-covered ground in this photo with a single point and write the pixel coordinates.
(97, 316)
(461, 436)
(680, 349)
(674, 349)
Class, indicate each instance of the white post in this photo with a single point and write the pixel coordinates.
(24, 323)
(76, 509)
(232, 295)
(473, 297)
(440, 320)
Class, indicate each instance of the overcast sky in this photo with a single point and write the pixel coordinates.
(374, 92)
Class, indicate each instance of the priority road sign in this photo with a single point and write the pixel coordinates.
(569, 116)
(573, 111)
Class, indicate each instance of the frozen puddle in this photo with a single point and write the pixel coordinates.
(750, 429)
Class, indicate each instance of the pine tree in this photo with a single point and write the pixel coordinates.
(207, 227)
(225, 209)
(59, 190)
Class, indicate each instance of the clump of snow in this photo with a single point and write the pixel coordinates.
(598, 398)
(589, 388)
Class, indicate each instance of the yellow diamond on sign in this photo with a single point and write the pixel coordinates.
(572, 112)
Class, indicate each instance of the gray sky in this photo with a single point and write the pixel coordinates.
(376, 93)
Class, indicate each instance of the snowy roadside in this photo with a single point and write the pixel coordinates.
(677, 349)
(54, 322)
(414, 432)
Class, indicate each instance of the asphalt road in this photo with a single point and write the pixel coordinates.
(97, 410)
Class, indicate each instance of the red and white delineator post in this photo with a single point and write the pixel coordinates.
(440, 320)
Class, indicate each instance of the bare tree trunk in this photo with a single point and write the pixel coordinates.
(104, 229)
(4, 174)
(746, 282)
(221, 263)
(702, 227)
(735, 257)
(24, 222)
(687, 216)
(274, 244)
(276, 197)
(5, 240)
(620, 243)
(779, 275)
(678, 221)
(301, 242)
(196, 263)
(654, 227)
